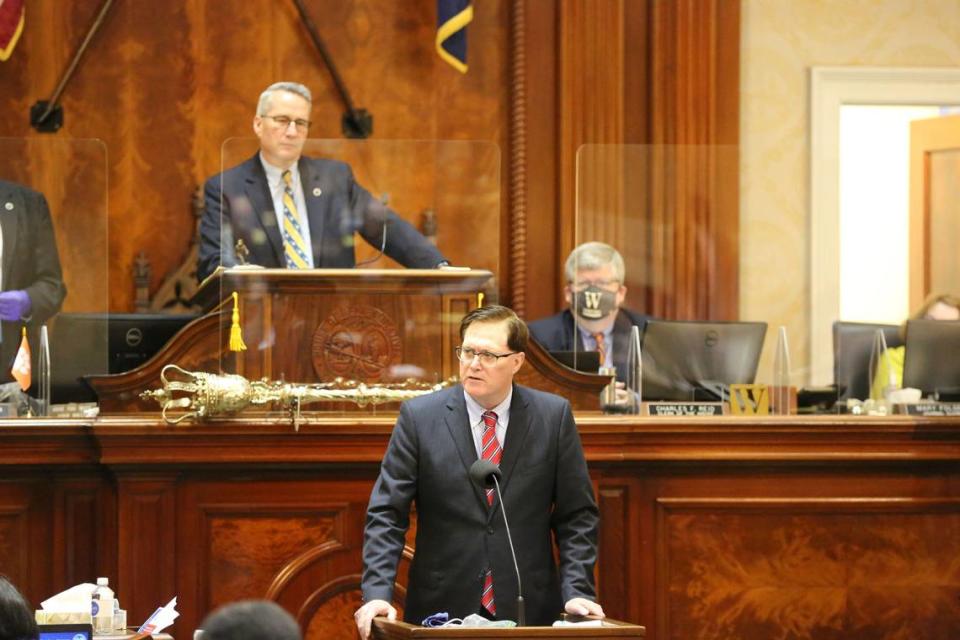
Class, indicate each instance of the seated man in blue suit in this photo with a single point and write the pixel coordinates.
(295, 212)
(595, 319)
(462, 564)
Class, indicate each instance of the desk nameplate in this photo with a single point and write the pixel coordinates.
(684, 409)
(930, 409)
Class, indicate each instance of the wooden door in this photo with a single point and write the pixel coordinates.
(934, 207)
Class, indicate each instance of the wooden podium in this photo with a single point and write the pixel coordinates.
(309, 326)
(383, 629)
(316, 325)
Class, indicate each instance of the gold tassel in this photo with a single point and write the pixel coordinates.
(236, 338)
(479, 298)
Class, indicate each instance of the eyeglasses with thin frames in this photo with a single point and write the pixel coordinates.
(487, 359)
(284, 121)
(603, 284)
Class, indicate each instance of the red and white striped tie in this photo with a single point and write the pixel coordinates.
(490, 450)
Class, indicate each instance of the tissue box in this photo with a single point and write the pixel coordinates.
(63, 617)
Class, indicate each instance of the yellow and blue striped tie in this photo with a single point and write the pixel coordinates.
(294, 246)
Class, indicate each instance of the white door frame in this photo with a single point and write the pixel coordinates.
(831, 88)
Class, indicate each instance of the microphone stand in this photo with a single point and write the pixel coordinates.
(383, 238)
(521, 612)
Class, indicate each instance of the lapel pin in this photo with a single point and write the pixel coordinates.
(8, 206)
(316, 192)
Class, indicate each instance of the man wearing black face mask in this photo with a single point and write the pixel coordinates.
(595, 319)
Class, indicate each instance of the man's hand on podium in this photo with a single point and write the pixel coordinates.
(365, 615)
(583, 607)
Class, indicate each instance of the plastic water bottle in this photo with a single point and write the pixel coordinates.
(101, 608)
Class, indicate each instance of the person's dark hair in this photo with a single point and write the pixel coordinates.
(16, 617)
(517, 333)
(250, 620)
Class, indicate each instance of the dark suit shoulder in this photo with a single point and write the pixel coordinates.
(553, 332)
(235, 175)
(12, 187)
(433, 401)
(639, 319)
(325, 164)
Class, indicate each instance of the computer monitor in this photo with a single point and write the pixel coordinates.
(681, 359)
(585, 361)
(65, 632)
(930, 362)
(84, 344)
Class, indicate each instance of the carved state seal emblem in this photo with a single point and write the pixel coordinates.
(356, 342)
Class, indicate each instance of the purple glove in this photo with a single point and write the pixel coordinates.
(14, 305)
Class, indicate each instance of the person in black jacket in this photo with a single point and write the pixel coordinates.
(292, 211)
(31, 282)
(16, 616)
(595, 319)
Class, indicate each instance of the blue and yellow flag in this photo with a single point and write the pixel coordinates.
(453, 16)
(11, 26)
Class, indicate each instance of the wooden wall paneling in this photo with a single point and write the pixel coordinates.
(56, 531)
(282, 538)
(25, 538)
(614, 561)
(147, 521)
(824, 568)
(825, 552)
(164, 86)
(85, 530)
(725, 303)
(694, 209)
(591, 112)
(821, 527)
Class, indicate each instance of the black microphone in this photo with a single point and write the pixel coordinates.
(488, 475)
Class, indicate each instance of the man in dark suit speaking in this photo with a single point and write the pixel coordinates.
(295, 212)
(462, 563)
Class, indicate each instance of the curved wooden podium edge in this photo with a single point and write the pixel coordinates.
(120, 392)
(548, 374)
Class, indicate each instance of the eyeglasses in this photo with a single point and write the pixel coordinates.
(487, 359)
(284, 121)
(603, 284)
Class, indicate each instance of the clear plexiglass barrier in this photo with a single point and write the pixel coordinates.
(54, 302)
(708, 318)
(345, 280)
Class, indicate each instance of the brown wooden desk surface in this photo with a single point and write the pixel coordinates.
(856, 518)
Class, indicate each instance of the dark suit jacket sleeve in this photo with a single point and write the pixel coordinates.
(405, 244)
(575, 517)
(45, 287)
(212, 237)
(388, 513)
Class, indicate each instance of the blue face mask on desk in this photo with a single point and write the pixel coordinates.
(594, 303)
